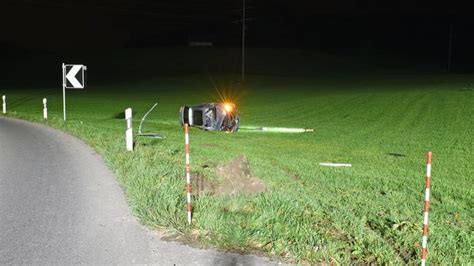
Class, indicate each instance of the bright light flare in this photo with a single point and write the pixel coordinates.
(229, 107)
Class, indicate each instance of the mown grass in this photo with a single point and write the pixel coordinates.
(371, 212)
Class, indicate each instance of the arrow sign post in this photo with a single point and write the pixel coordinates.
(73, 78)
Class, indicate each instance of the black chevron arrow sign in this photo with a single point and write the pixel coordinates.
(74, 76)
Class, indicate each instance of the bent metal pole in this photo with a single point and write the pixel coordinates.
(188, 174)
(424, 242)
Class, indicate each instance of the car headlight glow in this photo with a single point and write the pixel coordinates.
(228, 107)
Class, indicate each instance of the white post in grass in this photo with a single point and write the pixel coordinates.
(128, 131)
(4, 99)
(45, 108)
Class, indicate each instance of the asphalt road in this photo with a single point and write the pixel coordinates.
(59, 204)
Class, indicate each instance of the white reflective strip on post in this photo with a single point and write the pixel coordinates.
(186, 139)
(4, 105)
(423, 262)
(190, 116)
(128, 113)
(425, 218)
(129, 132)
(428, 170)
(189, 217)
(187, 158)
(45, 108)
(424, 242)
(427, 195)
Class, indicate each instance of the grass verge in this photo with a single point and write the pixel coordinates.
(371, 212)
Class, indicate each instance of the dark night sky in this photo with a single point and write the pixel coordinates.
(410, 27)
(118, 23)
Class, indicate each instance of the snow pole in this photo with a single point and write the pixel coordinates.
(188, 173)
(426, 208)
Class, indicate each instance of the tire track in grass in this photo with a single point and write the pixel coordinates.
(309, 108)
(390, 242)
(335, 208)
(394, 118)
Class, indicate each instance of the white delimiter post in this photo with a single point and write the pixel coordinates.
(129, 132)
(45, 108)
(4, 98)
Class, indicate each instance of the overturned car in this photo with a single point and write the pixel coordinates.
(211, 116)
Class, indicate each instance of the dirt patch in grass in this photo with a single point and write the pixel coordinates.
(234, 176)
(201, 184)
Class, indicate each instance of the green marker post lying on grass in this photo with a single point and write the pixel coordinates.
(277, 129)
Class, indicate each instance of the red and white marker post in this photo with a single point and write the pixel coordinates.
(424, 242)
(188, 172)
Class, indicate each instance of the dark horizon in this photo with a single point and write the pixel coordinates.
(367, 30)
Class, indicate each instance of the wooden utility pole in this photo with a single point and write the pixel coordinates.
(450, 47)
(243, 40)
